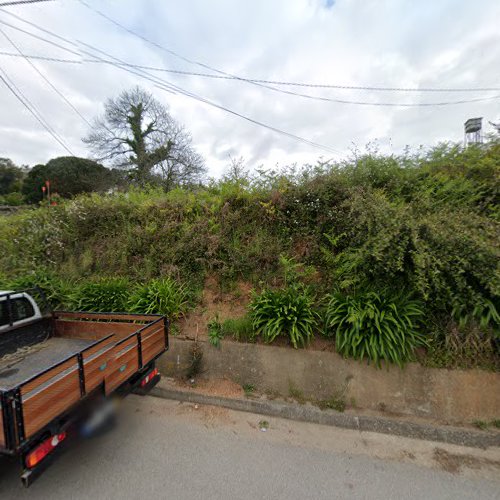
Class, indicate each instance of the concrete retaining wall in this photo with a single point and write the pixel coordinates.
(453, 396)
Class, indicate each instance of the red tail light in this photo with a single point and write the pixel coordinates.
(150, 376)
(42, 450)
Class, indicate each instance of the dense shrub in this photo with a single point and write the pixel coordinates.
(468, 346)
(103, 295)
(372, 326)
(14, 199)
(286, 312)
(427, 223)
(449, 258)
(160, 296)
(42, 284)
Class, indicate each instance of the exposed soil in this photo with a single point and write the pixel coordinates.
(215, 303)
(224, 388)
(223, 305)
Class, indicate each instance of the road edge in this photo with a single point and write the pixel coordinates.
(307, 413)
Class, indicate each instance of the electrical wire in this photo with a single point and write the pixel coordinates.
(167, 86)
(233, 77)
(306, 96)
(226, 75)
(40, 58)
(17, 28)
(22, 2)
(320, 98)
(31, 108)
(51, 85)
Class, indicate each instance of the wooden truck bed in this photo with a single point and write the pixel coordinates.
(84, 353)
(37, 360)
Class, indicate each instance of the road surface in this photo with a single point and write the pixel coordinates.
(165, 449)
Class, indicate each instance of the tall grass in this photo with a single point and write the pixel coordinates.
(160, 296)
(103, 295)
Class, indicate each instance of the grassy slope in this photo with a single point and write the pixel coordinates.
(427, 224)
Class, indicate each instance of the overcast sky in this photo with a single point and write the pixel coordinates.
(395, 43)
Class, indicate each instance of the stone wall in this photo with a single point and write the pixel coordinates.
(452, 396)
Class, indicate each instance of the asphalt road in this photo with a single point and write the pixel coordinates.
(164, 449)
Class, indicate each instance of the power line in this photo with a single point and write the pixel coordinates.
(232, 77)
(320, 98)
(164, 85)
(29, 106)
(227, 76)
(297, 94)
(51, 85)
(17, 28)
(261, 82)
(41, 58)
(22, 2)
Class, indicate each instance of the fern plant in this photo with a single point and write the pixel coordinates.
(160, 296)
(376, 327)
(288, 312)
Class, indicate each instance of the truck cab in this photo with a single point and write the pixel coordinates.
(17, 309)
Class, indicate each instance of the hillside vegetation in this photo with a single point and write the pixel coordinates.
(364, 240)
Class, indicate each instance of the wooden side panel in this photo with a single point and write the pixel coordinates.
(153, 342)
(49, 395)
(46, 402)
(106, 317)
(97, 366)
(108, 343)
(93, 330)
(47, 376)
(124, 364)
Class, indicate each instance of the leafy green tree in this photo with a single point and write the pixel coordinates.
(68, 176)
(11, 176)
(137, 133)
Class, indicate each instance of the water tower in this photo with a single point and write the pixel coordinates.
(472, 130)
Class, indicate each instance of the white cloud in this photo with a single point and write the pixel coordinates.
(394, 43)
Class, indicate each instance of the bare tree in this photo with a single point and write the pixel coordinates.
(138, 133)
(236, 171)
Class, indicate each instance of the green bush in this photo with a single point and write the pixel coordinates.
(241, 329)
(14, 199)
(287, 312)
(53, 289)
(160, 296)
(376, 327)
(425, 222)
(103, 295)
(215, 333)
(449, 258)
(464, 346)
